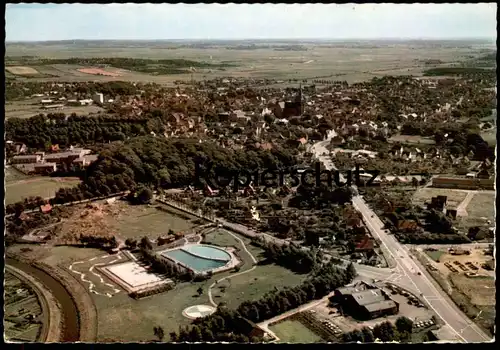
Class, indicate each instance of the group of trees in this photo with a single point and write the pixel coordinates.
(223, 324)
(108, 242)
(145, 163)
(292, 257)
(385, 331)
(321, 197)
(40, 132)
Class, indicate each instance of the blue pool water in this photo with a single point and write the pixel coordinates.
(198, 257)
(208, 252)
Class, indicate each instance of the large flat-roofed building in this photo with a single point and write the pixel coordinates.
(61, 157)
(26, 159)
(463, 183)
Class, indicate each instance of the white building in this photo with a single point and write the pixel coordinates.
(98, 98)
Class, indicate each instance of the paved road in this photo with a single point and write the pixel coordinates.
(413, 274)
(463, 328)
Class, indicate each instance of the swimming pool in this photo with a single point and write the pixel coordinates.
(199, 257)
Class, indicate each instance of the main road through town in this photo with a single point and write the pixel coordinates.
(415, 273)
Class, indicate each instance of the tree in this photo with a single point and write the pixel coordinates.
(351, 271)
(145, 244)
(404, 324)
(159, 332)
(195, 334)
(367, 335)
(173, 337)
(145, 195)
(199, 291)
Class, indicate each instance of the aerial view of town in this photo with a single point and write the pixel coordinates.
(244, 173)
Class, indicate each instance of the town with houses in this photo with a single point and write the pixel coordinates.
(348, 211)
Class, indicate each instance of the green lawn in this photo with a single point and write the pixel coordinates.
(136, 221)
(254, 284)
(44, 187)
(124, 319)
(480, 209)
(224, 239)
(434, 255)
(293, 331)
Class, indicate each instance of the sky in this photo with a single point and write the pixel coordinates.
(46, 22)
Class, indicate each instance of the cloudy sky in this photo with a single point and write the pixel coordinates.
(40, 22)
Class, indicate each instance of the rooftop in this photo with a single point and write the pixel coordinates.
(381, 305)
(369, 296)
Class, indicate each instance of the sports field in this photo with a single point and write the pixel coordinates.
(45, 187)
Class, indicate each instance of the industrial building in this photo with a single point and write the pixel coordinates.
(365, 302)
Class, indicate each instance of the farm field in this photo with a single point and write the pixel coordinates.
(480, 210)
(20, 70)
(454, 198)
(293, 331)
(45, 187)
(27, 109)
(336, 61)
(139, 221)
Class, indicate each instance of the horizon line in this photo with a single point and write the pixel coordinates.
(268, 39)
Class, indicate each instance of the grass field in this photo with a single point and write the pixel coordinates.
(45, 187)
(425, 194)
(139, 221)
(29, 108)
(254, 284)
(124, 319)
(12, 175)
(490, 136)
(480, 210)
(293, 331)
(222, 238)
(434, 255)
